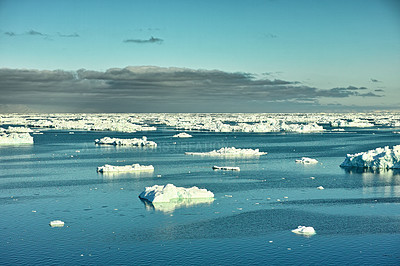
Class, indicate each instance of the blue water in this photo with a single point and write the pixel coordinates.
(356, 216)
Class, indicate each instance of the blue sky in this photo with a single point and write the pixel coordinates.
(322, 45)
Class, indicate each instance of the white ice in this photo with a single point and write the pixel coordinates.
(125, 168)
(229, 151)
(170, 192)
(15, 138)
(126, 142)
(304, 230)
(306, 160)
(228, 168)
(379, 158)
(182, 135)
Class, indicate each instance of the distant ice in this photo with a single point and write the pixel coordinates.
(125, 168)
(126, 142)
(15, 138)
(380, 158)
(306, 160)
(170, 192)
(232, 151)
(304, 230)
(228, 168)
(182, 135)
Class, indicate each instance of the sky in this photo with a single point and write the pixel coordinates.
(199, 56)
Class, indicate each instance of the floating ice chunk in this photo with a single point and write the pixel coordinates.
(380, 158)
(169, 192)
(320, 187)
(306, 160)
(16, 138)
(127, 142)
(57, 223)
(229, 152)
(304, 230)
(228, 168)
(125, 168)
(182, 135)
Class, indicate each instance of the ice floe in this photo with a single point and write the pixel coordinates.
(126, 142)
(125, 168)
(229, 151)
(15, 138)
(304, 230)
(56, 223)
(182, 135)
(306, 160)
(228, 168)
(379, 158)
(159, 193)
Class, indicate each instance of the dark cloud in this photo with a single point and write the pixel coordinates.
(379, 90)
(151, 40)
(375, 80)
(156, 89)
(41, 34)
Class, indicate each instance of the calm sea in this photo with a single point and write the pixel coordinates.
(356, 216)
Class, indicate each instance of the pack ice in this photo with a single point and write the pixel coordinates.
(170, 192)
(126, 142)
(382, 158)
(229, 151)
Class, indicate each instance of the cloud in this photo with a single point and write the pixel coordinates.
(379, 90)
(151, 40)
(33, 32)
(10, 33)
(74, 35)
(375, 80)
(270, 35)
(157, 89)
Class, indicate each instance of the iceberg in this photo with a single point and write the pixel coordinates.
(182, 135)
(379, 158)
(125, 168)
(170, 192)
(228, 168)
(304, 230)
(126, 142)
(15, 138)
(306, 160)
(232, 151)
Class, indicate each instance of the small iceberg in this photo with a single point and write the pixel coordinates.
(320, 188)
(125, 168)
(227, 168)
(15, 138)
(182, 135)
(380, 158)
(304, 230)
(232, 151)
(168, 207)
(126, 142)
(170, 192)
(57, 223)
(306, 160)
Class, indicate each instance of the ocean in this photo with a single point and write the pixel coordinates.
(356, 216)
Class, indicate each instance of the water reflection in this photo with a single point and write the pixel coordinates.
(385, 181)
(171, 206)
(126, 175)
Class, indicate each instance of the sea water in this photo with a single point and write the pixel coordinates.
(356, 216)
